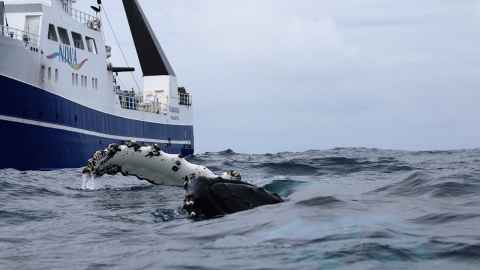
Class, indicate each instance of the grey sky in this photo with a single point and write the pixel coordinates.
(277, 75)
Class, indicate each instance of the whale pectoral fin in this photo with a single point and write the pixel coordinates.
(146, 162)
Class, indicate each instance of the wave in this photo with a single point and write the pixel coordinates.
(309, 163)
(22, 216)
(227, 152)
(288, 168)
(371, 251)
(440, 249)
(388, 253)
(326, 161)
(361, 236)
(454, 189)
(284, 188)
(322, 201)
(463, 252)
(332, 165)
(421, 183)
(434, 219)
(412, 185)
(20, 190)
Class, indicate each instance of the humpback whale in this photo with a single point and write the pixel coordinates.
(212, 197)
(207, 194)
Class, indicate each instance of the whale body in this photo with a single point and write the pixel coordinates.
(212, 197)
(207, 194)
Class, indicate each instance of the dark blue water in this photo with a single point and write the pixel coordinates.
(345, 209)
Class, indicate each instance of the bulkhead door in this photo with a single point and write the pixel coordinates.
(32, 24)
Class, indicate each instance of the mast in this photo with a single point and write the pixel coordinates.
(153, 60)
(2, 14)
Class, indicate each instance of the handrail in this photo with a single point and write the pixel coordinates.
(128, 101)
(185, 99)
(17, 34)
(154, 107)
(91, 21)
(136, 103)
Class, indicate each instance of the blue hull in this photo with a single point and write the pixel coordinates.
(29, 141)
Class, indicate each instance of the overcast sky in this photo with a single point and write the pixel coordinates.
(284, 75)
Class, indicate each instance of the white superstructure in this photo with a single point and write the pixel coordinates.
(53, 46)
(61, 92)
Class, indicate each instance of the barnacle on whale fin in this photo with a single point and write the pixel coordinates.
(232, 175)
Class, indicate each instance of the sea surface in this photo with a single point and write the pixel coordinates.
(348, 208)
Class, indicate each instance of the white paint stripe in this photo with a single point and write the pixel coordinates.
(83, 131)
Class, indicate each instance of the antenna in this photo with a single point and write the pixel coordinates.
(99, 8)
(2, 14)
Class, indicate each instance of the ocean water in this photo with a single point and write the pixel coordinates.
(344, 209)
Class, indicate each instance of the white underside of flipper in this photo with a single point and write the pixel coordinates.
(146, 163)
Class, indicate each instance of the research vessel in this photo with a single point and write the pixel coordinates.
(61, 96)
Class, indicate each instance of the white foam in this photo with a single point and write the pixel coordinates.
(88, 182)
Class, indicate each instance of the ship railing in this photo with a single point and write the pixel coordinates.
(154, 107)
(185, 99)
(29, 39)
(128, 101)
(92, 22)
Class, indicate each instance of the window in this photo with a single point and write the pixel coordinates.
(76, 79)
(73, 78)
(78, 41)
(93, 83)
(49, 73)
(91, 45)
(56, 75)
(42, 73)
(52, 33)
(64, 36)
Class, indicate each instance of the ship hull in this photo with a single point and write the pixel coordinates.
(40, 130)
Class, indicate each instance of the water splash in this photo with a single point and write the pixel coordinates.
(88, 182)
